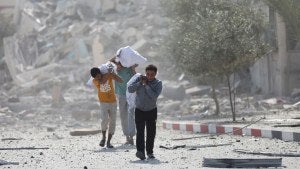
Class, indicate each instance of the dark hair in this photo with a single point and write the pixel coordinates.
(95, 71)
(151, 67)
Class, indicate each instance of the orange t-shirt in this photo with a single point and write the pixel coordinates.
(106, 91)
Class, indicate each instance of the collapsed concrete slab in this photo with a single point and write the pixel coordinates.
(84, 132)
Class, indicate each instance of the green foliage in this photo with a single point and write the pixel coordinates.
(214, 38)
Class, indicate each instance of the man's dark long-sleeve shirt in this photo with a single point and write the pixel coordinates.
(146, 95)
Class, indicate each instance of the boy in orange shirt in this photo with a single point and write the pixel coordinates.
(108, 104)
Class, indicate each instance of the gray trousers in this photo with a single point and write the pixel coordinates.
(108, 117)
(131, 122)
(127, 118)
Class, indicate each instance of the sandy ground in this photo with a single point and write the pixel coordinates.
(66, 151)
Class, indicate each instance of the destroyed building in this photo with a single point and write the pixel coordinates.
(48, 58)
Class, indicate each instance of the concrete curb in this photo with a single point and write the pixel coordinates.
(212, 128)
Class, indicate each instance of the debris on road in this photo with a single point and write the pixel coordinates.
(242, 163)
(10, 139)
(187, 138)
(24, 148)
(193, 147)
(84, 132)
(3, 162)
(173, 147)
(266, 153)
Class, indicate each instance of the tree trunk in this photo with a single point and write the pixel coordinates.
(214, 97)
(234, 93)
(230, 98)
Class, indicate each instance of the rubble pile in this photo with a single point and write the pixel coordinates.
(57, 42)
(70, 36)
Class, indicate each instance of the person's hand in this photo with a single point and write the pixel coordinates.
(113, 59)
(134, 66)
(113, 73)
(98, 77)
(144, 80)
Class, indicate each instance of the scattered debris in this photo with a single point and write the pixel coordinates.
(266, 154)
(84, 132)
(194, 146)
(3, 162)
(25, 148)
(55, 136)
(241, 163)
(211, 145)
(187, 138)
(6, 139)
(287, 125)
(173, 147)
(50, 129)
(198, 90)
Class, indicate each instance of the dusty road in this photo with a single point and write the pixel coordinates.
(66, 151)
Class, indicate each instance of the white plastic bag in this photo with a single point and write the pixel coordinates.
(130, 97)
(128, 57)
(104, 68)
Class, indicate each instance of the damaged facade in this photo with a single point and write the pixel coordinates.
(79, 31)
(53, 36)
(57, 42)
(45, 63)
(278, 72)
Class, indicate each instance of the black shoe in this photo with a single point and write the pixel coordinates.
(151, 156)
(108, 145)
(131, 142)
(140, 155)
(102, 143)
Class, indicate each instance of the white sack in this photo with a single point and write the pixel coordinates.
(130, 97)
(104, 68)
(128, 57)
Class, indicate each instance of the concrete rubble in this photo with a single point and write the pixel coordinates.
(57, 42)
(45, 103)
(47, 60)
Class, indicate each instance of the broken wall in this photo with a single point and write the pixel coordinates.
(78, 33)
(270, 74)
(294, 70)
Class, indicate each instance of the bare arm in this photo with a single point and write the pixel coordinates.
(96, 83)
(133, 68)
(116, 77)
(113, 59)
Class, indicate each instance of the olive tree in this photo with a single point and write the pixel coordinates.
(213, 39)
